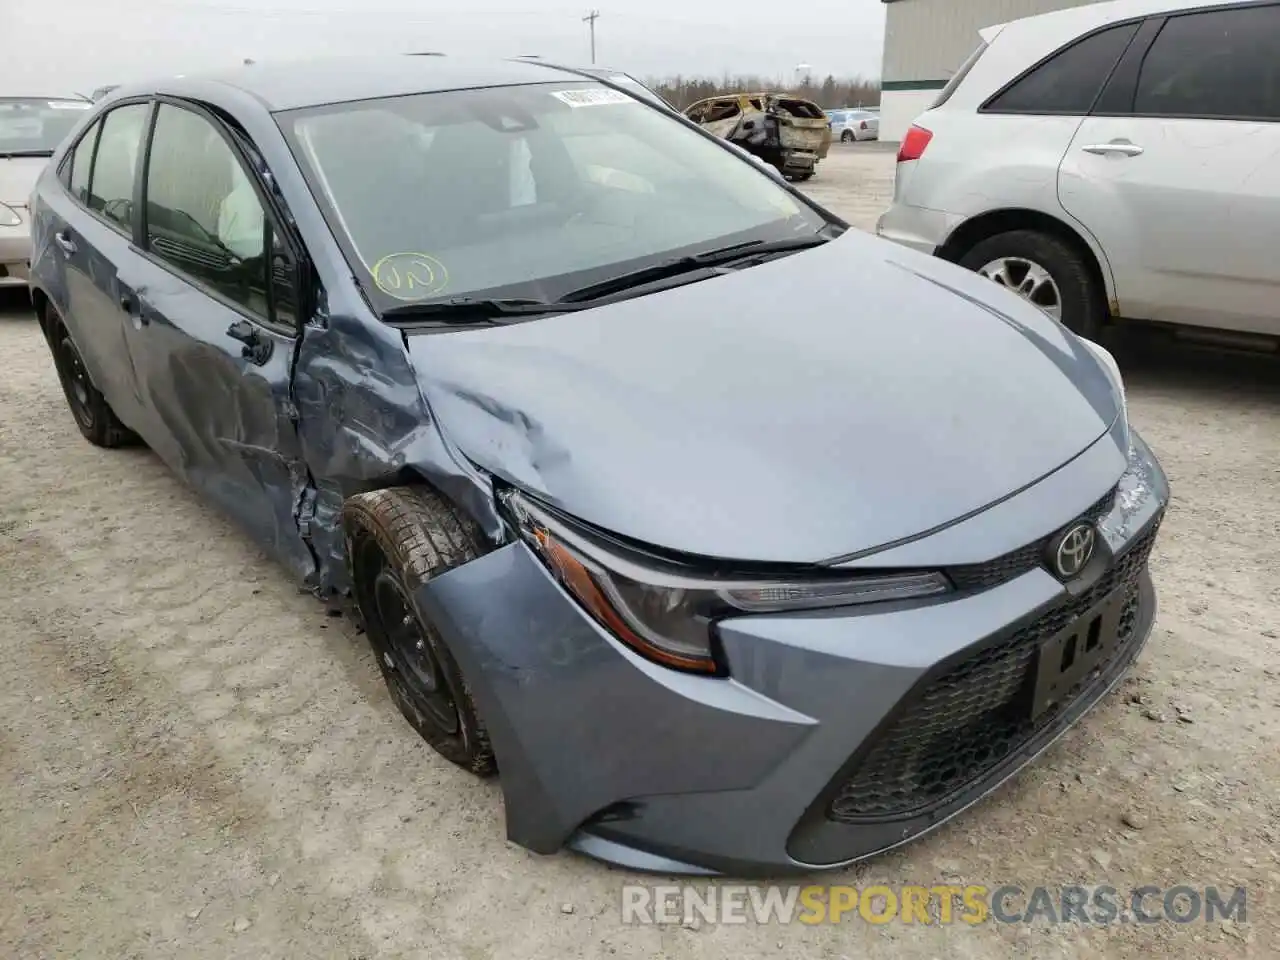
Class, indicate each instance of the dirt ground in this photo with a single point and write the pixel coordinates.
(197, 761)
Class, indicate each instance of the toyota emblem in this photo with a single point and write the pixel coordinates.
(1074, 550)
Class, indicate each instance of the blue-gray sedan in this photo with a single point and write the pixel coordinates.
(722, 574)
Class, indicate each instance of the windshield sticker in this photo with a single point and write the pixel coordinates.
(69, 105)
(410, 276)
(592, 97)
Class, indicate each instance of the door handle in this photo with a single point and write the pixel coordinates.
(63, 239)
(1121, 148)
(131, 303)
(257, 348)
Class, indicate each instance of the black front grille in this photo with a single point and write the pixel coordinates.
(981, 576)
(965, 722)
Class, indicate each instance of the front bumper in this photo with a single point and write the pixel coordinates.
(839, 733)
(15, 256)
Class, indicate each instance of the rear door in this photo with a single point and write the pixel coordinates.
(1009, 155)
(91, 229)
(215, 327)
(1175, 172)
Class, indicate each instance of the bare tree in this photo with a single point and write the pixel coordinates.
(832, 93)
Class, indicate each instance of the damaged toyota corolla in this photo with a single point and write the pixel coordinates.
(718, 578)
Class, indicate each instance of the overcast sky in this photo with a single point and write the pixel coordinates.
(85, 43)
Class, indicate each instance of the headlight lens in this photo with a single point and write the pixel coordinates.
(666, 614)
(9, 216)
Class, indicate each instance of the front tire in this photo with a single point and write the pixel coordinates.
(396, 540)
(1047, 271)
(94, 417)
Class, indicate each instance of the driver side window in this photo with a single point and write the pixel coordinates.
(204, 217)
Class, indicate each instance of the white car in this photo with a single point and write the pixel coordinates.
(854, 124)
(1112, 161)
(30, 129)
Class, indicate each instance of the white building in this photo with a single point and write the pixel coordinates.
(925, 41)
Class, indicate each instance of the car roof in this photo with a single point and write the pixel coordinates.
(288, 85)
(1080, 19)
(40, 95)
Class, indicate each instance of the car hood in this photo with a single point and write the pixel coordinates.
(766, 414)
(18, 176)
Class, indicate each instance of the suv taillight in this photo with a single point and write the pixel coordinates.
(913, 143)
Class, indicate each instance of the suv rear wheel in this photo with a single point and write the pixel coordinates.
(1044, 270)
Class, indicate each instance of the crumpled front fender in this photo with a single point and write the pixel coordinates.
(578, 722)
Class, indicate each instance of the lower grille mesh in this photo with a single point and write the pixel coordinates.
(968, 720)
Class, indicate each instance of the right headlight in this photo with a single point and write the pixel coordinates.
(666, 613)
(9, 217)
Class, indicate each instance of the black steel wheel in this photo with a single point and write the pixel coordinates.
(94, 417)
(396, 540)
(75, 380)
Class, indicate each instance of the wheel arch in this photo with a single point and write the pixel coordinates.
(976, 229)
(40, 304)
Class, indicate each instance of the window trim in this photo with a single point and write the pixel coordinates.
(97, 125)
(986, 108)
(1122, 84)
(272, 221)
(1164, 21)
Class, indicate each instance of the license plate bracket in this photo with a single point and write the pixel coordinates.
(1076, 651)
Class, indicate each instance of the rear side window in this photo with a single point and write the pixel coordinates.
(1070, 80)
(1223, 63)
(82, 164)
(957, 78)
(119, 143)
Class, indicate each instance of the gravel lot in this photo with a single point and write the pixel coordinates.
(198, 761)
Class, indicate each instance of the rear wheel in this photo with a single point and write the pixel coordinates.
(1046, 271)
(398, 539)
(98, 423)
(847, 136)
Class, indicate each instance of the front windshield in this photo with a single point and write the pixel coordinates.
(35, 127)
(526, 191)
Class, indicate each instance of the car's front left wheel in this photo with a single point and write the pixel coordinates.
(396, 540)
(98, 423)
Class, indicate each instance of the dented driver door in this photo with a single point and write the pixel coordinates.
(213, 330)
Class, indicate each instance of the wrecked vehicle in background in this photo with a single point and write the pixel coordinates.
(514, 359)
(788, 133)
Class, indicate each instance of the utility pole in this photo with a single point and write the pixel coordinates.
(590, 20)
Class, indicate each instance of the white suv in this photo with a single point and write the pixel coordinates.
(1119, 160)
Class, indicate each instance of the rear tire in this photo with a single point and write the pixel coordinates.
(94, 417)
(396, 540)
(1081, 299)
(847, 135)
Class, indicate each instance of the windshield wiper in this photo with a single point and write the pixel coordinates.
(720, 256)
(464, 310)
(12, 154)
